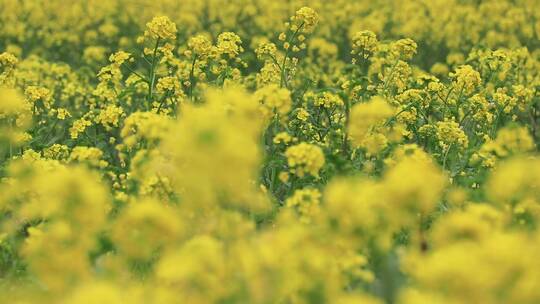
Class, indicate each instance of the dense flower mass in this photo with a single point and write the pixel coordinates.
(256, 151)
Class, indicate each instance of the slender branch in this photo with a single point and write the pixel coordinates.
(152, 71)
(191, 78)
(136, 73)
(287, 51)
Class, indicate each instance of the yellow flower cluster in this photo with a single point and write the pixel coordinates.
(327, 100)
(366, 121)
(404, 48)
(110, 116)
(200, 45)
(161, 28)
(79, 126)
(274, 100)
(266, 49)
(449, 133)
(509, 142)
(8, 62)
(90, 155)
(56, 151)
(233, 151)
(306, 202)
(305, 19)
(364, 43)
(283, 137)
(145, 126)
(466, 79)
(230, 44)
(305, 158)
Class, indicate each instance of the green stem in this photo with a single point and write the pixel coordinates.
(287, 51)
(137, 74)
(345, 146)
(162, 102)
(446, 156)
(191, 78)
(153, 72)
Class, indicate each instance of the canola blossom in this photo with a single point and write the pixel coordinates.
(254, 151)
